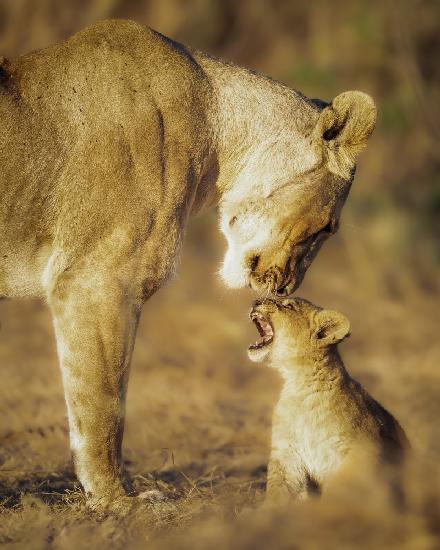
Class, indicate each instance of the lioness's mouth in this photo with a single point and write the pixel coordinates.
(264, 328)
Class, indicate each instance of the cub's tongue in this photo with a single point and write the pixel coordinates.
(264, 328)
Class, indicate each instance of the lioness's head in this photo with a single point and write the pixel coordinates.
(293, 327)
(288, 198)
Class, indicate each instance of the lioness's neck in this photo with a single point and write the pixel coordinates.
(252, 113)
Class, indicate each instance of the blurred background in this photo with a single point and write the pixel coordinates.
(199, 412)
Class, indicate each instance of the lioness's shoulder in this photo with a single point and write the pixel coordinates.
(120, 33)
(103, 44)
(112, 59)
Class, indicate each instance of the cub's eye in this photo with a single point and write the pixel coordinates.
(232, 221)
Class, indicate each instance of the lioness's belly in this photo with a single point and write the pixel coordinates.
(22, 270)
(30, 154)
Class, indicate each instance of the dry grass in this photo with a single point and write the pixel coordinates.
(199, 418)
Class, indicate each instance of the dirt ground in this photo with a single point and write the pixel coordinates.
(198, 422)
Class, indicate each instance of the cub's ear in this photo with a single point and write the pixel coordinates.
(344, 127)
(330, 327)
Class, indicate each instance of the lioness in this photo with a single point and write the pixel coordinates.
(109, 141)
(324, 422)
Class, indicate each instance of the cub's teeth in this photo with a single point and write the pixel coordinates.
(267, 328)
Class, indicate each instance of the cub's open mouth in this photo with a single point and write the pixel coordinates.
(264, 328)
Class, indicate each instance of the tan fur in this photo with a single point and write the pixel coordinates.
(325, 425)
(108, 142)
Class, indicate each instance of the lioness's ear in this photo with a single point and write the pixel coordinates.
(330, 327)
(344, 127)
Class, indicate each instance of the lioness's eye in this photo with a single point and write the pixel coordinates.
(232, 221)
(254, 262)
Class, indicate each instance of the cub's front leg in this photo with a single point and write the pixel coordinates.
(95, 317)
(286, 479)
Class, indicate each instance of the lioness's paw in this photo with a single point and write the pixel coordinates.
(153, 496)
(120, 506)
(159, 503)
(153, 503)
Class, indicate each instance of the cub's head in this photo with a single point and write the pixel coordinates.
(293, 327)
(288, 197)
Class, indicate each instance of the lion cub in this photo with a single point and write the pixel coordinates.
(325, 423)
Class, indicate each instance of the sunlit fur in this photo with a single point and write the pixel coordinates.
(325, 425)
(109, 141)
(284, 182)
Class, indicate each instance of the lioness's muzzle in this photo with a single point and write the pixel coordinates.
(303, 254)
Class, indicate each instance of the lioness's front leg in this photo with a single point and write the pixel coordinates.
(95, 320)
